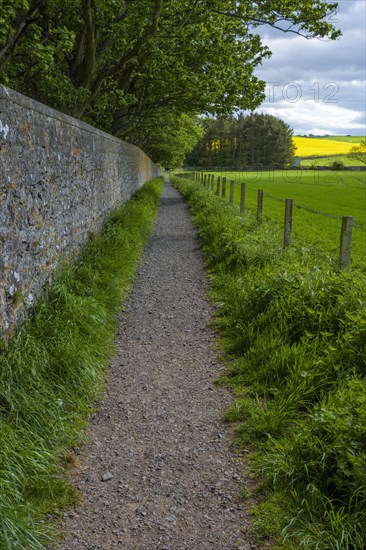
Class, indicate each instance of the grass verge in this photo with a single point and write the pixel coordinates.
(320, 198)
(329, 160)
(294, 336)
(53, 369)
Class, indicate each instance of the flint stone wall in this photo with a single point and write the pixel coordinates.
(59, 177)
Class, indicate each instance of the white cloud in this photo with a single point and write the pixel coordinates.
(305, 116)
(321, 85)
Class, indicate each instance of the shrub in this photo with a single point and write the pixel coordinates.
(338, 165)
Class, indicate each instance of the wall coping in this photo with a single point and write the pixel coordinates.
(22, 100)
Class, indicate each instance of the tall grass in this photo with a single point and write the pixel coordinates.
(320, 201)
(294, 334)
(53, 369)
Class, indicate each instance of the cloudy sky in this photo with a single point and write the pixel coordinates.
(318, 86)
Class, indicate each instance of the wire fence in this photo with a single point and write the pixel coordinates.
(312, 210)
(342, 236)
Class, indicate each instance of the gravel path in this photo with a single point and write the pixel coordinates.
(159, 471)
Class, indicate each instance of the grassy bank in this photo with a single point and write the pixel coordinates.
(52, 371)
(294, 336)
(320, 201)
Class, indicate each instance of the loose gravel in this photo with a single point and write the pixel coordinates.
(159, 472)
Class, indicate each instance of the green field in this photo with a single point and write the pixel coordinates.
(331, 194)
(349, 139)
(328, 161)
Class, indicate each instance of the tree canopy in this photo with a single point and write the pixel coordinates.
(257, 140)
(118, 64)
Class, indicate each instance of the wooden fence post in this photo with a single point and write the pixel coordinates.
(232, 184)
(223, 192)
(212, 182)
(218, 186)
(288, 222)
(205, 180)
(242, 197)
(346, 243)
(260, 204)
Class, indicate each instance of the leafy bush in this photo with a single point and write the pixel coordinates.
(338, 165)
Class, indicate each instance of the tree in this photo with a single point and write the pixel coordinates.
(264, 140)
(119, 63)
(256, 140)
(358, 152)
(175, 137)
(215, 148)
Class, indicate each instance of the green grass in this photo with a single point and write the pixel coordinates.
(293, 333)
(53, 369)
(328, 161)
(331, 194)
(348, 139)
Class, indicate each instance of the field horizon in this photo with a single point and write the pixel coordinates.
(318, 146)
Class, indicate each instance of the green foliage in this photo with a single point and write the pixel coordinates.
(275, 506)
(52, 370)
(338, 165)
(119, 65)
(256, 140)
(294, 333)
(170, 143)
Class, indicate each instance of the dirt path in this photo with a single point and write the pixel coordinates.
(159, 472)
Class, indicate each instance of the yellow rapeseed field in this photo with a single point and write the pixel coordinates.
(309, 147)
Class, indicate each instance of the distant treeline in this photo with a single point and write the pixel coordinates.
(244, 142)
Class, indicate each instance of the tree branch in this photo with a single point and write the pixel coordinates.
(273, 24)
(129, 55)
(12, 41)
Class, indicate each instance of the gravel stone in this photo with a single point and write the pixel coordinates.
(107, 476)
(158, 427)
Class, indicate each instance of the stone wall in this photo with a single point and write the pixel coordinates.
(59, 178)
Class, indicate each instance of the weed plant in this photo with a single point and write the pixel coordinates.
(294, 335)
(53, 369)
